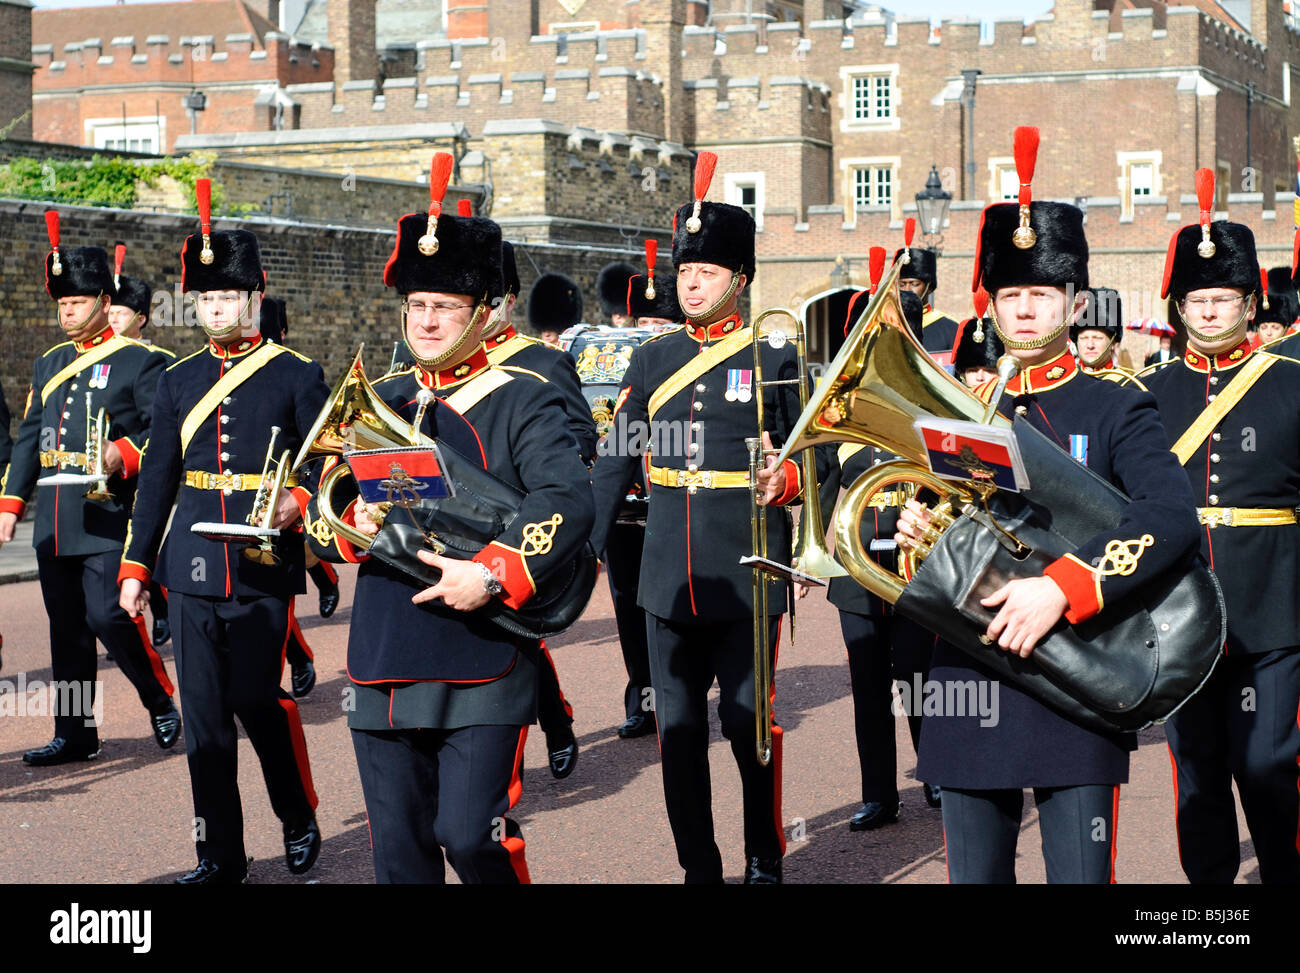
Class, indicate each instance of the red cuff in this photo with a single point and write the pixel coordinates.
(130, 457)
(130, 569)
(1080, 584)
(341, 543)
(508, 566)
(12, 505)
(792, 485)
(301, 495)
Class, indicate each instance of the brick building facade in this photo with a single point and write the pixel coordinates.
(580, 117)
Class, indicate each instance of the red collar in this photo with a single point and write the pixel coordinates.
(716, 330)
(503, 337)
(1048, 375)
(85, 346)
(1094, 369)
(1223, 361)
(236, 349)
(446, 377)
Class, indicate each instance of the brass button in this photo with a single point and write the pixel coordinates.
(225, 419)
(1216, 437)
(1210, 397)
(695, 427)
(227, 473)
(74, 387)
(1214, 477)
(700, 387)
(1214, 380)
(692, 468)
(1214, 499)
(1214, 457)
(225, 437)
(695, 448)
(699, 406)
(227, 491)
(225, 457)
(65, 415)
(227, 400)
(692, 490)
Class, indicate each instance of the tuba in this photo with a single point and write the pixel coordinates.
(479, 508)
(1123, 671)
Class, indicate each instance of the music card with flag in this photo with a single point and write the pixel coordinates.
(404, 475)
(959, 450)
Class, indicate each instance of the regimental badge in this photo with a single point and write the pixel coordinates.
(1079, 448)
(1236, 353)
(1055, 373)
(740, 385)
(604, 364)
(99, 376)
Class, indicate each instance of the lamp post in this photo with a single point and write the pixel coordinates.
(194, 103)
(932, 204)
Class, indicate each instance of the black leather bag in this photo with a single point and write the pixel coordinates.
(481, 509)
(1123, 670)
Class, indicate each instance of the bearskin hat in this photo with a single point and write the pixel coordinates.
(713, 233)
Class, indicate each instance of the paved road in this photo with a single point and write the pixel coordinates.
(126, 816)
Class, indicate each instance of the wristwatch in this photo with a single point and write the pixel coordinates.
(490, 582)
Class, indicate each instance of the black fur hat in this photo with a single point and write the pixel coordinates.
(1102, 312)
(236, 263)
(663, 305)
(1057, 258)
(1283, 303)
(611, 287)
(134, 293)
(84, 272)
(922, 265)
(713, 233)
(274, 321)
(913, 312)
(977, 354)
(1234, 263)
(468, 259)
(509, 270)
(554, 303)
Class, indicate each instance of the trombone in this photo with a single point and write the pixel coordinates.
(812, 562)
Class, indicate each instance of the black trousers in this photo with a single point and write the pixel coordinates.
(882, 649)
(157, 601)
(80, 595)
(980, 829)
(429, 790)
(684, 660)
(623, 565)
(229, 657)
(296, 650)
(554, 714)
(1243, 726)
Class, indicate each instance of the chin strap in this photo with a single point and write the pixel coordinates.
(1106, 354)
(1210, 339)
(82, 323)
(1033, 344)
(707, 316)
(224, 332)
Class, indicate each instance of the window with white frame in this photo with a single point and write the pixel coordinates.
(747, 190)
(136, 135)
(870, 96)
(873, 186)
(1139, 178)
(1004, 184)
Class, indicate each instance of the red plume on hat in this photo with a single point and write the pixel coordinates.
(1025, 149)
(876, 266)
(1263, 286)
(439, 176)
(203, 197)
(52, 231)
(464, 208)
(119, 256)
(705, 164)
(1205, 203)
(651, 255)
(981, 301)
(909, 231)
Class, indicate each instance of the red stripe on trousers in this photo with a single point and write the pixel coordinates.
(296, 631)
(515, 846)
(1114, 832)
(299, 749)
(1174, 764)
(777, 734)
(155, 660)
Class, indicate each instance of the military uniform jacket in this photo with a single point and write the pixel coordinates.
(839, 465)
(1116, 432)
(553, 366)
(1251, 459)
(511, 423)
(288, 391)
(938, 332)
(6, 441)
(695, 535)
(122, 383)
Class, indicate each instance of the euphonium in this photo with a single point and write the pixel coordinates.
(1129, 668)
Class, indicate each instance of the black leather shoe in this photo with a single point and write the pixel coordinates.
(303, 679)
(562, 758)
(162, 631)
(58, 751)
(301, 846)
(933, 795)
(637, 725)
(874, 815)
(763, 871)
(209, 872)
(329, 600)
(166, 727)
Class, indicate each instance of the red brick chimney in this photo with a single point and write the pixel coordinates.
(352, 35)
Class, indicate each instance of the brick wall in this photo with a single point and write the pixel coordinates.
(15, 72)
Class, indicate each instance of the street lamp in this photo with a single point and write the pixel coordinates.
(932, 208)
(194, 103)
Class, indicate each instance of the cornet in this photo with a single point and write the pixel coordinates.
(94, 475)
(266, 503)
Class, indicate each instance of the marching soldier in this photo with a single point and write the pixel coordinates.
(939, 330)
(1096, 336)
(1276, 318)
(700, 379)
(443, 697)
(611, 288)
(975, 357)
(1233, 414)
(79, 532)
(626, 540)
(214, 414)
(129, 315)
(1036, 280)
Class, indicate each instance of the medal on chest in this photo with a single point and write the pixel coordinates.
(1079, 448)
(740, 385)
(99, 376)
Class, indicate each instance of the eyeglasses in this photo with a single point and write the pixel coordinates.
(1222, 303)
(419, 309)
